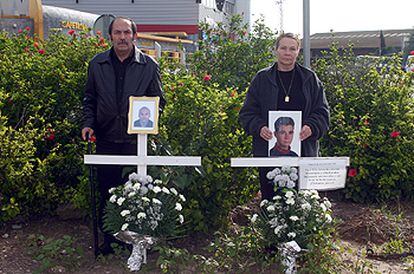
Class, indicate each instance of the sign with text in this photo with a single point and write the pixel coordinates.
(322, 173)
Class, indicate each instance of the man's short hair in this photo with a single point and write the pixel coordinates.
(144, 108)
(287, 35)
(133, 25)
(283, 121)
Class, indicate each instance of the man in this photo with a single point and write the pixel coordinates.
(285, 85)
(144, 121)
(284, 128)
(114, 76)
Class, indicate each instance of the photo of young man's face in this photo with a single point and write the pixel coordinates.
(284, 136)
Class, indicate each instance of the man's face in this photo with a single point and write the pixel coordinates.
(287, 51)
(144, 115)
(284, 136)
(122, 37)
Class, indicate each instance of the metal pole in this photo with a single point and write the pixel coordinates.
(306, 33)
(93, 202)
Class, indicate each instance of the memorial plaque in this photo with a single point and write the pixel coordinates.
(322, 173)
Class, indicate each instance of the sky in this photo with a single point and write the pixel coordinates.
(337, 15)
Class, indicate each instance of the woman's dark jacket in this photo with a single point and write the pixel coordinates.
(262, 97)
(104, 111)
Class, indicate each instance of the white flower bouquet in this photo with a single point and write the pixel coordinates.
(292, 215)
(144, 206)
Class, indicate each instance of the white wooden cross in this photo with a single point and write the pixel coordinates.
(142, 160)
(319, 173)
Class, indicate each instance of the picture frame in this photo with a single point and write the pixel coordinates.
(288, 145)
(143, 115)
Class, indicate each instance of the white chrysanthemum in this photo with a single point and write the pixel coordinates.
(157, 182)
(282, 183)
(156, 201)
(136, 186)
(181, 218)
(182, 198)
(120, 201)
(156, 189)
(124, 226)
(262, 203)
(150, 186)
(112, 199)
(165, 190)
(148, 179)
(289, 194)
(270, 175)
(277, 197)
(293, 170)
(293, 176)
(270, 208)
(292, 235)
(111, 190)
(146, 199)
(276, 171)
(254, 218)
(327, 203)
(178, 207)
(323, 207)
(125, 212)
(173, 191)
(277, 229)
(277, 178)
(128, 185)
(141, 215)
(133, 176)
(290, 201)
(132, 194)
(294, 218)
(306, 206)
(328, 218)
(285, 168)
(290, 184)
(143, 190)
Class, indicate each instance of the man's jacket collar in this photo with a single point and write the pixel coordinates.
(138, 58)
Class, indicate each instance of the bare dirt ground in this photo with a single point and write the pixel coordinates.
(360, 227)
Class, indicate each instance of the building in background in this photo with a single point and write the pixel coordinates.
(381, 42)
(176, 18)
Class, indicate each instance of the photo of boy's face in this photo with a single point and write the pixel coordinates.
(284, 136)
(144, 114)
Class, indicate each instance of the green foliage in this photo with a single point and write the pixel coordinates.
(52, 252)
(201, 119)
(372, 114)
(41, 89)
(231, 55)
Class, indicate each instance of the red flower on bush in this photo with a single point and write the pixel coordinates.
(41, 51)
(36, 45)
(20, 31)
(207, 77)
(27, 28)
(50, 134)
(71, 32)
(352, 172)
(233, 93)
(366, 122)
(26, 49)
(92, 139)
(395, 134)
(99, 33)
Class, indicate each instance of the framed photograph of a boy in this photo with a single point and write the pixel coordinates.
(143, 115)
(286, 126)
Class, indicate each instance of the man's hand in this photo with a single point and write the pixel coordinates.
(87, 130)
(305, 133)
(266, 133)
